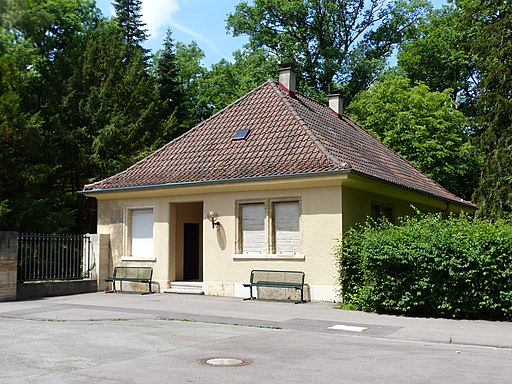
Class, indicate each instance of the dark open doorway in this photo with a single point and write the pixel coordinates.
(190, 251)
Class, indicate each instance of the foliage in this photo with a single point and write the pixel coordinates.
(489, 29)
(346, 42)
(458, 267)
(128, 17)
(435, 55)
(42, 46)
(467, 47)
(423, 127)
(78, 102)
(81, 99)
(227, 82)
(191, 72)
(169, 85)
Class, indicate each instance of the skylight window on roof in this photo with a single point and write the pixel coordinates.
(241, 134)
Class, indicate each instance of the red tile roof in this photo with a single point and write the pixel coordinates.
(289, 135)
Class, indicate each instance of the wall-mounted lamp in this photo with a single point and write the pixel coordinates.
(212, 216)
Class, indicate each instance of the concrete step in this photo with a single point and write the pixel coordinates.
(186, 287)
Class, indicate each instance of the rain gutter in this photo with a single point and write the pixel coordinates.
(213, 182)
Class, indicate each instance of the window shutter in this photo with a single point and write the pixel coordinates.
(286, 226)
(253, 228)
(142, 232)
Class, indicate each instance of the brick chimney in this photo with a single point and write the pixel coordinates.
(287, 78)
(336, 103)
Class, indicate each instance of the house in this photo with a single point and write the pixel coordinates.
(270, 182)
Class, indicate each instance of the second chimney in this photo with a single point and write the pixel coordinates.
(287, 78)
(336, 103)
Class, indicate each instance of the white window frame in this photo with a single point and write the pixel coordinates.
(270, 242)
(129, 252)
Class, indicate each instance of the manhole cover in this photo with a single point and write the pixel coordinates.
(224, 361)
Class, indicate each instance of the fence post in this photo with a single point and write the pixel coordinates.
(8, 265)
(100, 244)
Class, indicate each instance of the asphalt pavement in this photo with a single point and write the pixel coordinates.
(172, 338)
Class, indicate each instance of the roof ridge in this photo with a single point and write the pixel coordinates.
(306, 128)
(292, 134)
(344, 119)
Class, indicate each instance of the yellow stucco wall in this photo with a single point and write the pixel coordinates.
(357, 206)
(320, 226)
(224, 273)
(329, 206)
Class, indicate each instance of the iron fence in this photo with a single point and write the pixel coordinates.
(43, 257)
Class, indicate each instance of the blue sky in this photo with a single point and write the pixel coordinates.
(203, 21)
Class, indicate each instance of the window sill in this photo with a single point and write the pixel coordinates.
(138, 258)
(267, 256)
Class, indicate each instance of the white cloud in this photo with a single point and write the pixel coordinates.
(196, 35)
(157, 14)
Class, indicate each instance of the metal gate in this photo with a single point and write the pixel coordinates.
(43, 257)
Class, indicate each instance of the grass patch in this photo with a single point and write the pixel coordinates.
(222, 323)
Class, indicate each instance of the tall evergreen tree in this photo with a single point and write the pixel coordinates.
(192, 72)
(121, 107)
(72, 109)
(489, 28)
(41, 120)
(170, 86)
(129, 19)
(21, 133)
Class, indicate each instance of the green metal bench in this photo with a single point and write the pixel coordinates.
(277, 279)
(131, 274)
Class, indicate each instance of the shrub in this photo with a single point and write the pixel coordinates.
(457, 267)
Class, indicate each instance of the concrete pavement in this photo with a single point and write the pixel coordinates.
(131, 338)
(315, 317)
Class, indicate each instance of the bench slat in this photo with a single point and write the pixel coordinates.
(131, 274)
(276, 279)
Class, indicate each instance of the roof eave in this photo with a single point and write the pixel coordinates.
(212, 182)
(447, 201)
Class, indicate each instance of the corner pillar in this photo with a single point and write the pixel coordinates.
(8, 265)
(100, 244)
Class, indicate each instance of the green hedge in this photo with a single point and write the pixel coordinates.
(458, 267)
